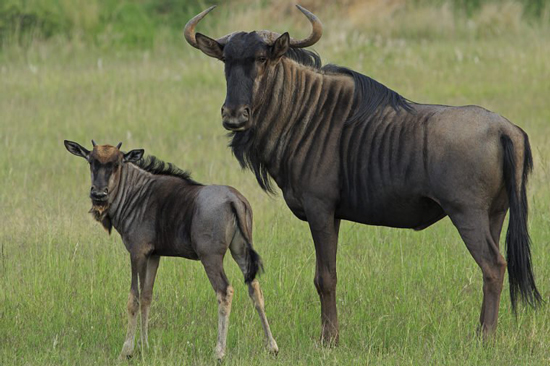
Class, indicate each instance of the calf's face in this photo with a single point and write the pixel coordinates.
(105, 166)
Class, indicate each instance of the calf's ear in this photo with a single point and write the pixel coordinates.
(76, 149)
(133, 155)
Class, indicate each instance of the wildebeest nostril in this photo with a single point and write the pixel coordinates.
(98, 193)
(246, 112)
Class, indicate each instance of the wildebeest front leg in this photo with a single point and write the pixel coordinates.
(147, 281)
(133, 307)
(324, 229)
(213, 265)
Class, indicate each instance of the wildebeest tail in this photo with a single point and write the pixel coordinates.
(255, 264)
(518, 252)
(243, 214)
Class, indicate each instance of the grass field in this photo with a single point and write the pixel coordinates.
(404, 297)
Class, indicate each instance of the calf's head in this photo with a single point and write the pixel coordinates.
(247, 58)
(105, 166)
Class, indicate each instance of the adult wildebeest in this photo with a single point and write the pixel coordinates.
(340, 145)
(159, 210)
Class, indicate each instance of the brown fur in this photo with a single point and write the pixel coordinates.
(99, 213)
(106, 153)
(159, 211)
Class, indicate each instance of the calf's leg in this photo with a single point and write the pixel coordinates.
(239, 251)
(137, 265)
(213, 265)
(147, 280)
(255, 293)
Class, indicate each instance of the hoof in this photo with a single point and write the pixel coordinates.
(488, 335)
(123, 357)
(127, 351)
(219, 353)
(329, 339)
(273, 348)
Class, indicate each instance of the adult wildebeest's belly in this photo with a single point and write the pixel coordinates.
(412, 212)
(386, 209)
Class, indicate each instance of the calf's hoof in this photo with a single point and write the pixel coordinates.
(127, 351)
(219, 353)
(123, 357)
(273, 348)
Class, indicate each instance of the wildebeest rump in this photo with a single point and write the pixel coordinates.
(160, 211)
(340, 145)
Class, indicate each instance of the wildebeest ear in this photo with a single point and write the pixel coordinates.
(209, 46)
(76, 149)
(134, 155)
(280, 46)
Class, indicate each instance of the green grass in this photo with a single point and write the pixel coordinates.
(404, 297)
(139, 24)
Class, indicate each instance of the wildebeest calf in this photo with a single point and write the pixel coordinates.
(160, 211)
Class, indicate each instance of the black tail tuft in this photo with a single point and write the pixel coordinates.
(518, 253)
(255, 265)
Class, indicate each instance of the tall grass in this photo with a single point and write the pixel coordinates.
(404, 297)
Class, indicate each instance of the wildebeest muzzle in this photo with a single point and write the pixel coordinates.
(99, 196)
(235, 118)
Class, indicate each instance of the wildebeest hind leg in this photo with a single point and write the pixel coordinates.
(255, 293)
(213, 265)
(475, 229)
(239, 251)
(496, 222)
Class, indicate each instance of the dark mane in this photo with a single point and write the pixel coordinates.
(369, 94)
(155, 166)
(304, 57)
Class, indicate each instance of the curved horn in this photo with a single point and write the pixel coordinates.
(93, 143)
(268, 36)
(189, 30)
(119, 145)
(316, 30)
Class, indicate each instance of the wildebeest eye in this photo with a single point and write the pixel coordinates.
(261, 59)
